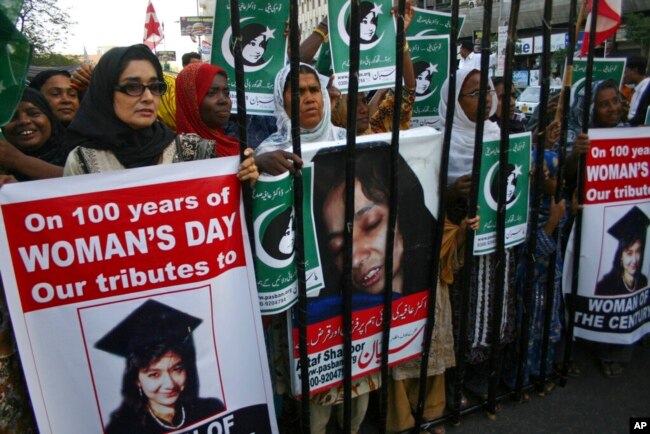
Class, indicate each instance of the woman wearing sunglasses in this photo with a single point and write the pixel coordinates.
(116, 126)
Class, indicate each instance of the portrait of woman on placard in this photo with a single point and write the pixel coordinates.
(413, 235)
(626, 275)
(423, 76)
(511, 184)
(279, 236)
(255, 38)
(160, 384)
(369, 22)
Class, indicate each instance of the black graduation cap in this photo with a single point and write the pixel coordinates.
(151, 323)
(632, 226)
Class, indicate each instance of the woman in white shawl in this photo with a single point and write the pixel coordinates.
(272, 155)
(483, 280)
(461, 152)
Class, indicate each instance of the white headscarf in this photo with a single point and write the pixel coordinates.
(461, 152)
(324, 131)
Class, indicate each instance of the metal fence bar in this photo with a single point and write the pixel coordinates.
(577, 237)
(440, 224)
(350, 163)
(392, 216)
(294, 77)
(541, 145)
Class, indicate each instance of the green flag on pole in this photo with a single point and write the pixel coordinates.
(15, 55)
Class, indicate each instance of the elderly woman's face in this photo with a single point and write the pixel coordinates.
(163, 381)
(253, 51)
(608, 107)
(311, 101)
(216, 105)
(137, 111)
(367, 28)
(468, 98)
(369, 241)
(29, 128)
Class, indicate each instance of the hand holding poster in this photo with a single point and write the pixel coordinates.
(154, 275)
(263, 49)
(613, 300)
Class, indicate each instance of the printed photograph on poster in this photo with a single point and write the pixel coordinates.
(376, 43)
(626, 271)
(158, 359)
(417, 207)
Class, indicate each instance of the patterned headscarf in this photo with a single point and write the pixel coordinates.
(192, 83)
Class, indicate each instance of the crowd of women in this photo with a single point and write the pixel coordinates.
(109, 119)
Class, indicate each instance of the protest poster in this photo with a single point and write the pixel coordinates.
(603, 69)
(196, 26)
(430, 57)
(612, 304)
(147, 268)
(427, 22)
(417, 207)
(264, 47)
(274, 230)
(517, 191)
(376, 43)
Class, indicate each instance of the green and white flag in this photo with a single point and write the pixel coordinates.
(431, 23)
(517, 191)
(274, 230)
(377, 43)
(15, 55)
(263, 49)
(430, 56)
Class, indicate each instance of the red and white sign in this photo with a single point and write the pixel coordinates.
(78, 255)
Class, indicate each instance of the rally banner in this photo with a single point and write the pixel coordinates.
(115, 281)
(609, 68)
(418, 168)
(166, 56)
(264, 47)
(427, 22)
(517, 191)
(376, 43)
(274, 230)
(613, 299)
(430, 56)
(196, 26)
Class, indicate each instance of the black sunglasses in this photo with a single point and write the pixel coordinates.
(136, 89)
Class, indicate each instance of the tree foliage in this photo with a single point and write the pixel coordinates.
(637, 29)
(44, 24)
(53, 59)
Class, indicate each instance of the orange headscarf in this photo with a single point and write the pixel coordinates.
(192, 83)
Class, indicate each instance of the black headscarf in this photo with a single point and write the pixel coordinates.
(96, 126)
(39, 80)
(54, 151)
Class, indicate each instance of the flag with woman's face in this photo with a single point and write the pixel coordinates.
(515, 195)
(376, 43)
(430, 57)
(263, 45)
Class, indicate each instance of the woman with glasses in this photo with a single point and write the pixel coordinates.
(116, 126)
(483, 284)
